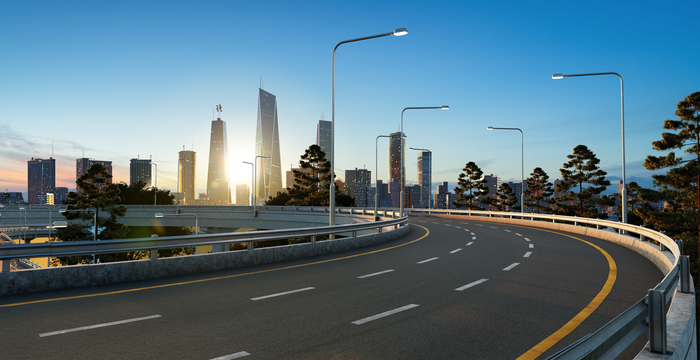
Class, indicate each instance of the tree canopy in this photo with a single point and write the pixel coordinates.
(505, 198)
(583, 182)
(137, 194)
(538, 191)
(471, 184)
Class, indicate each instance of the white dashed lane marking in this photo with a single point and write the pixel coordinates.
(375, 274)
(282, 293)
(469, 243)
(455, 250)
(527, 254)
(427, 260)
(511, 266)
(384, 314)
(532, 246)
(471, 284)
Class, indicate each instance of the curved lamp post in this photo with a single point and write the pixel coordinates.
(622, 111)
(397, 32)
(255, 179)
(522, 166)
(401, 167)
(430, 171)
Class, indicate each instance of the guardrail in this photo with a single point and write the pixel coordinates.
(649, 313)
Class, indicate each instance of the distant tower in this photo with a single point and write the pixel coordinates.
(323, 137)
(218, 190)
(41, 180)
(243, 195)
(187, 163)
(140, 170)
(269, 171)
(396, 166)
(424, 176)
(83, 164)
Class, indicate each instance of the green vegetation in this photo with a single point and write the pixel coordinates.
(538, 191)
(582, 173)
(505, 199)
(471, 185)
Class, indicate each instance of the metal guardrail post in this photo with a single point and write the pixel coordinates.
(685, 274)
(5, 266)
(680, 245)
(657, 321)
(313, 237)
(154, 255)
(251, 245)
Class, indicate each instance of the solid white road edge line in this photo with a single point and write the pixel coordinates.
(98, 326)
(455, 250)
(374, 274)
(426, 260)
(282, 293)
(237, 355)
(511, 266)
(384, 314)
(471, 284)
(527, 254)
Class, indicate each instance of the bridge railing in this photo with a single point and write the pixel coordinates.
(649, 313)
(75, 248)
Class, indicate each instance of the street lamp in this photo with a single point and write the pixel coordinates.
(401, 167)
(155, 184)
(622, 111)
(255, 179)
(376, 176)
(430, 171)
(397, 32)
(522, 166)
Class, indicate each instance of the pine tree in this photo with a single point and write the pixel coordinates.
(680, 186)
(505, 198)
(581, 173)
(538, 191)
(471, 185)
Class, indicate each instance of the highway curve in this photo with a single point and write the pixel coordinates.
(451, 289)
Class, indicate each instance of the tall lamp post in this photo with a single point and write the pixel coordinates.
(430, 171)
(155, 184)
(622, 112)
(397, 32)
(522, 166)
(255, 180)
(401, 167)
(376, 175)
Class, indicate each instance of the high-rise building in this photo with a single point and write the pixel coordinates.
(11, 198)
(61, 195)
(352, 179)
(187, 165)
(83, 164)
(415, 193)
(242, 195)
(323, 137)
(517, 191)
(41, 180)
(218, 191)
(267, 144)
(382, 191)
(140, 170)
(444, 199)
(424, 178)
(397, 168)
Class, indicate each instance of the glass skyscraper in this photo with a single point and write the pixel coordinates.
(424, 177)
(267, 143)
(187, 163)
(218, 190)
(396, 164)
(41, 180)
(323, 137)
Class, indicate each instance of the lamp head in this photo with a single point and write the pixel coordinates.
(489, 128)
(445, 107)
(159, 215)
(400, 32)
(557, 76)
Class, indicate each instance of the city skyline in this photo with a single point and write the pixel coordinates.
(494, 71)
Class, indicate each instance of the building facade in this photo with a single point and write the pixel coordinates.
(41, 180)
(242, 195)
(356, 184)
(267, 144)
(323, 137)
(397, 169)
(218, 191)
(140, 170)
(11, 198)
(187, 165)
(424, 178)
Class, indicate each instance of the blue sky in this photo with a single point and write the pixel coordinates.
(124, 79)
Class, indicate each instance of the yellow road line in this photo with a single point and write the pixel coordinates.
(427, 232)
(565, 330)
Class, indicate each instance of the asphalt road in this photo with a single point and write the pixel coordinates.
(465, 290)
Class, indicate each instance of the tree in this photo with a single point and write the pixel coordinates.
(538, 190)
(137, 194)
(634, 204)
(680, 186)
(582, 173)
(505, 198)
(312, 183)
(94, 194)
(471, 185)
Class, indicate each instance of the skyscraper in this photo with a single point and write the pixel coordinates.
(140, 170)
(242, 195)
(267, 144)
(83, 164)
(396, 164)
(218, 190)
(424, 177)
(187, 163)
(356, 184)
(323, 137)
(41, 180)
